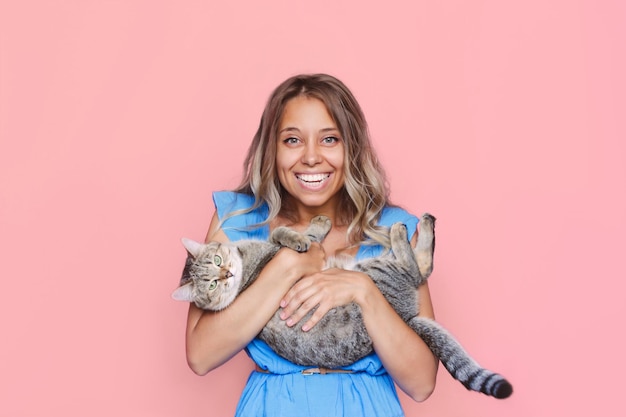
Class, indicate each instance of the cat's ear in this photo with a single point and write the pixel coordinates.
(193, 247)
(183, 293)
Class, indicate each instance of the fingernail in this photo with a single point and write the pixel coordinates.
(289, 322)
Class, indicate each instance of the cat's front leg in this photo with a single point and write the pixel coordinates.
(289, 238)
(318, 228)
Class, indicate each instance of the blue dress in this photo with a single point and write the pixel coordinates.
(286, 392)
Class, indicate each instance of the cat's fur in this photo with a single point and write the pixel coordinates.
(340, 337)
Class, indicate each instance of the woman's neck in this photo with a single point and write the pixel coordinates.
(295, 214)
(298, 217)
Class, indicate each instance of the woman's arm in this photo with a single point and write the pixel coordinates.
(403, 353)
(214, 337)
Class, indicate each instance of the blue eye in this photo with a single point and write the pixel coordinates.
(330, 139)
(291, 141)
(217, 260)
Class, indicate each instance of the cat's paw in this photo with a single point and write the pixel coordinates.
(398, 230)
(300, 244)
(427, 222)
(291, 239)
(319, 228)
(321, 221)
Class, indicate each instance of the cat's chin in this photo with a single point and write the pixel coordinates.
(229, 292)
(224, 301)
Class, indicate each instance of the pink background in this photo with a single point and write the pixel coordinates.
(118, 119)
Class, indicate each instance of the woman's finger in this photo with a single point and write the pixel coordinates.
(315, 318)
(300, 301)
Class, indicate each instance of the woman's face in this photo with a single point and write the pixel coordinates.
(310, 153)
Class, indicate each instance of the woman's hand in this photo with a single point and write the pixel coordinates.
(326, 289)
(304, 263)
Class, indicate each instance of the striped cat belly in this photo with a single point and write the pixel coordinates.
(338, 339)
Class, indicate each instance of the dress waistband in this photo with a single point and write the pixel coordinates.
(311, 371)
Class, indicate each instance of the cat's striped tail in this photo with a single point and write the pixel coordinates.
(458, 362)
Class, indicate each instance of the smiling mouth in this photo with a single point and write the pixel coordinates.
(312, 179)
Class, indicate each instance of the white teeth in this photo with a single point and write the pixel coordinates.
(312, 177)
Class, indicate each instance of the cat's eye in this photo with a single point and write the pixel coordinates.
(217, 260)
(212, 285)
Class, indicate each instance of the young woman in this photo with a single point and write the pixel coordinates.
(312, 155)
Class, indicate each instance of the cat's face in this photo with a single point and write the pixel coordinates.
(212, 275)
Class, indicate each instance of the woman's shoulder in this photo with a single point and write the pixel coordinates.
(232, 200)
(240, 219)
(389, 216)
(395, 214)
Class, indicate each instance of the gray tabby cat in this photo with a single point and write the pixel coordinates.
(215, 273)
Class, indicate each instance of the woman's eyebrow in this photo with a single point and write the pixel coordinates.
(295, 129)
(289, 129)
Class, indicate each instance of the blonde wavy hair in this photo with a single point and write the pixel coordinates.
(365, 192)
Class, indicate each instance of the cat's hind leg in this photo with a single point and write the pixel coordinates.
(401, 247)
(425, 248)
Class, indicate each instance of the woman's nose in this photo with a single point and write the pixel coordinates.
(312, 154)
